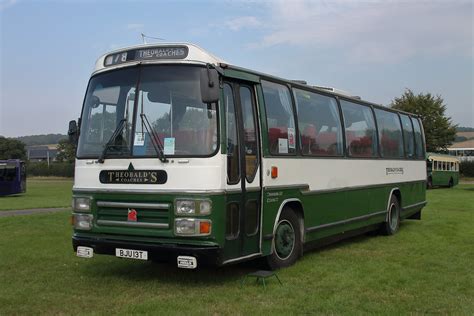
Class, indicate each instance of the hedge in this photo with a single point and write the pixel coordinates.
(56, 169)
(466, 168)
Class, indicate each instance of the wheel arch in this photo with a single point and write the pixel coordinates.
(297, 207)
(397, 193)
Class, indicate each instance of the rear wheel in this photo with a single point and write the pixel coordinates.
(391, 226)
(451, 182)
(286, 241)
(429, 183)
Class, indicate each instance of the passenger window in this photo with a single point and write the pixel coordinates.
(360, 130)
(390, 134)
(319, 124)
(233, 166)
(280, 119)
(420, 153)
(250, 133)
(408, 136)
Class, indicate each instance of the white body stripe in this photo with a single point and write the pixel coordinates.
(328, 174)
(199, 174)
(207, 174)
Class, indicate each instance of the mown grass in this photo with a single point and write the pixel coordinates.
(425, 268)
(40, 193)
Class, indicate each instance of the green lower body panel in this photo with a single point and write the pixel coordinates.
(332, 212)
(444, 178)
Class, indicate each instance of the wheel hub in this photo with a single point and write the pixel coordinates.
(284, 240)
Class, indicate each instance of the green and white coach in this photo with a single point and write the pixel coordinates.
(184, 157)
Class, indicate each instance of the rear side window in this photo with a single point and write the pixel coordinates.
(361, 137)
(280, 119)
(408, 136)
(419, 147)
(319, 124)
(390, 134)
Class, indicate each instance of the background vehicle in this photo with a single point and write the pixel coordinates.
(12, 177)
(442, 170)
(182, 156)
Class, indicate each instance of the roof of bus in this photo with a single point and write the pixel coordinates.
(197, 55)
(441, 157)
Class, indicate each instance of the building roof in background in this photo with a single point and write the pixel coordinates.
(467, 144)
(42, 152)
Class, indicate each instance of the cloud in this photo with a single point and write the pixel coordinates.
(4, 4)
(135, 26)
(242, 22)
(373, 31)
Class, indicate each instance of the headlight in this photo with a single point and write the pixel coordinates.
(185, 207)
(205, 207)
(193, 207)
(192, 227)
(82, 221)
(81, 204)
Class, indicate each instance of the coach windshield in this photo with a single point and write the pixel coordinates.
(147, 111)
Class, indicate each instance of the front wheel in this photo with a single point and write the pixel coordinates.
(391, 226)
(286, 246)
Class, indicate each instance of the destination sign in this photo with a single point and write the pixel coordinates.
(133, 176)
(149, 53)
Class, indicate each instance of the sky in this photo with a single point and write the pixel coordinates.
(374, 49)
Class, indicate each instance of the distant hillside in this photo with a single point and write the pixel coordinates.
(464, 129)
(41, 139)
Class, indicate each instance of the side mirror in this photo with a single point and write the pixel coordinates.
(209, 85)
(73, 132)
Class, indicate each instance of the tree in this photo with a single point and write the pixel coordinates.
(12, 149)
(440, 132)
(66, 151)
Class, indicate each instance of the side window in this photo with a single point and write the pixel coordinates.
(319, 124)
(250, 132)
(419, 148)
(361, 138)
(280, 119)
(390, 134)
(408, 136)
(233, 167)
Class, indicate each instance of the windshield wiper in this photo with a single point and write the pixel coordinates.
(155, 139)
(117, 131)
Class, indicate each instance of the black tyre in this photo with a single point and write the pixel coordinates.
(286, 245)
(451, 183)
(391, 226)
(429, 183)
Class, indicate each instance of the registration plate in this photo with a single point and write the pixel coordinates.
(187, 262)
(131, 254)
(85, 252)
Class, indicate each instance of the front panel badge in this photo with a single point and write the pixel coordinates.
(132, 215)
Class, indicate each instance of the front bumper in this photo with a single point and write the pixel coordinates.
(208, 255)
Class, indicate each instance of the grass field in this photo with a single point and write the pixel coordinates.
(40, 192)
(425, 268)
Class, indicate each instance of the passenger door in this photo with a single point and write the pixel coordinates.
(243, 171)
